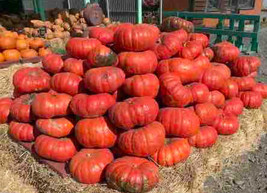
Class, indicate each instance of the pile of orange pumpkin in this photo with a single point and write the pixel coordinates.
(129, 99)
(14, 46)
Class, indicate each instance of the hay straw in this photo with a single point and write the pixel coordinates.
(183, 178)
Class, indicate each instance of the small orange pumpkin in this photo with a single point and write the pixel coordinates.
(29, 53)
(44, 51)
(9, 34)
(36, 43)
(12, 55)
(22, 37)
(2, 58)
(22, 44)
(7, 43)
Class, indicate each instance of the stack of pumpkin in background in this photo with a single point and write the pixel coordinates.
(134, 94)
(14, 46)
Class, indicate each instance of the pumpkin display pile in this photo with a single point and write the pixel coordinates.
(14, 46)
(131, 99)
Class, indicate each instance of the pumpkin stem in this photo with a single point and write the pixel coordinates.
(152, 160)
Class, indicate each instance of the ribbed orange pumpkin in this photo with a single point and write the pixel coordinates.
(44, 51)
(36, 43)
(7, 43)
(22, 44)
(12, 55)
(2, 58)
(29, 53)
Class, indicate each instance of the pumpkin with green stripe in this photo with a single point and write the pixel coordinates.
(102, 56)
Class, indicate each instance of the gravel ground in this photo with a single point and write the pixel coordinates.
(248, 174)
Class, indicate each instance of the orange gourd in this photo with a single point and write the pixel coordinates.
(2, 58)
(44, 51)
(7, 43)
(36, 43)
(28, 53)
(22, 44)
(12, 55)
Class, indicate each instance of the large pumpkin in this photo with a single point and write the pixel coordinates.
(226, 124)
(21, 131)
(206, 137)
(172, 92)
(251, 99)
(60, 150)
(91, 105)
(245, 65)
(28, 80)
(138, 62)
(176, 23)
(136, 111)
(21, 108)
(186, 69)
(229, 89)
(244, 83)
(58, 127)
(104, 79)
(67, 82)
(132, 174)
(36, 43)
(143, 141)
(88, 165)
(95, 133)
(103, 34)
(225, 52)
(202, 63)
(199, 37)
(48, 105)
(191, 50)
(139, 37)
(7, 43)
(222, 69)
(28, 53)
(174, 151)
(179, 122)
(79, 48)
(213, 79)
(207, 113)
(216, 98)
(102, 56)
(200, 92)
(261, 88)
(75, 66)
(233, 106)
(142, 85)
(12, 55)
(52, 63)
(5, 104)
(168, 46)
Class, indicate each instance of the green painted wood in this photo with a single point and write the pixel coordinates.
(231, 28)
(220, 27)
(35, 6)
(139, 4)
(241, 27)
(40, 8)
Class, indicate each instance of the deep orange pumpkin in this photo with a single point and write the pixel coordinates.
(202, 38)
(31, 79)
(143, 141)
(139, 174)
(58, 127)
(229, 89)
(44, 51)
(233, 106)
(104, 79)
(91, 105)
(5, 104)
(191, 50)
(226, 124)
(142, 85)
(225, 52)
(36, 43)
(244, 83)
(60, 150)
(22, 131)
(200, 92)
(139, 37)
(48, 105)
(52, 63)
(2, 57)
(216, 98)
(103, 34)
(11, 55)
(208, 52)
(174, 151)
(22, 44)
(136, 111)
(179, 122)
(251, 99)
(92, 163)
(96, 133)
(75, 66)
(245, 65)
(134, 63)
(207, 113)
(206, 137)
(261, 88)
(7, 43)
(28, 53)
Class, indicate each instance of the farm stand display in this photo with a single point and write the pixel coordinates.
(193, 98)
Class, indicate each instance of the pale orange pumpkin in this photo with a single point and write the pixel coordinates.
(22, 37)
(44, 51)
(7, 43)
(12, 55)
(36, 43)
(28, 53)
(22, 44)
